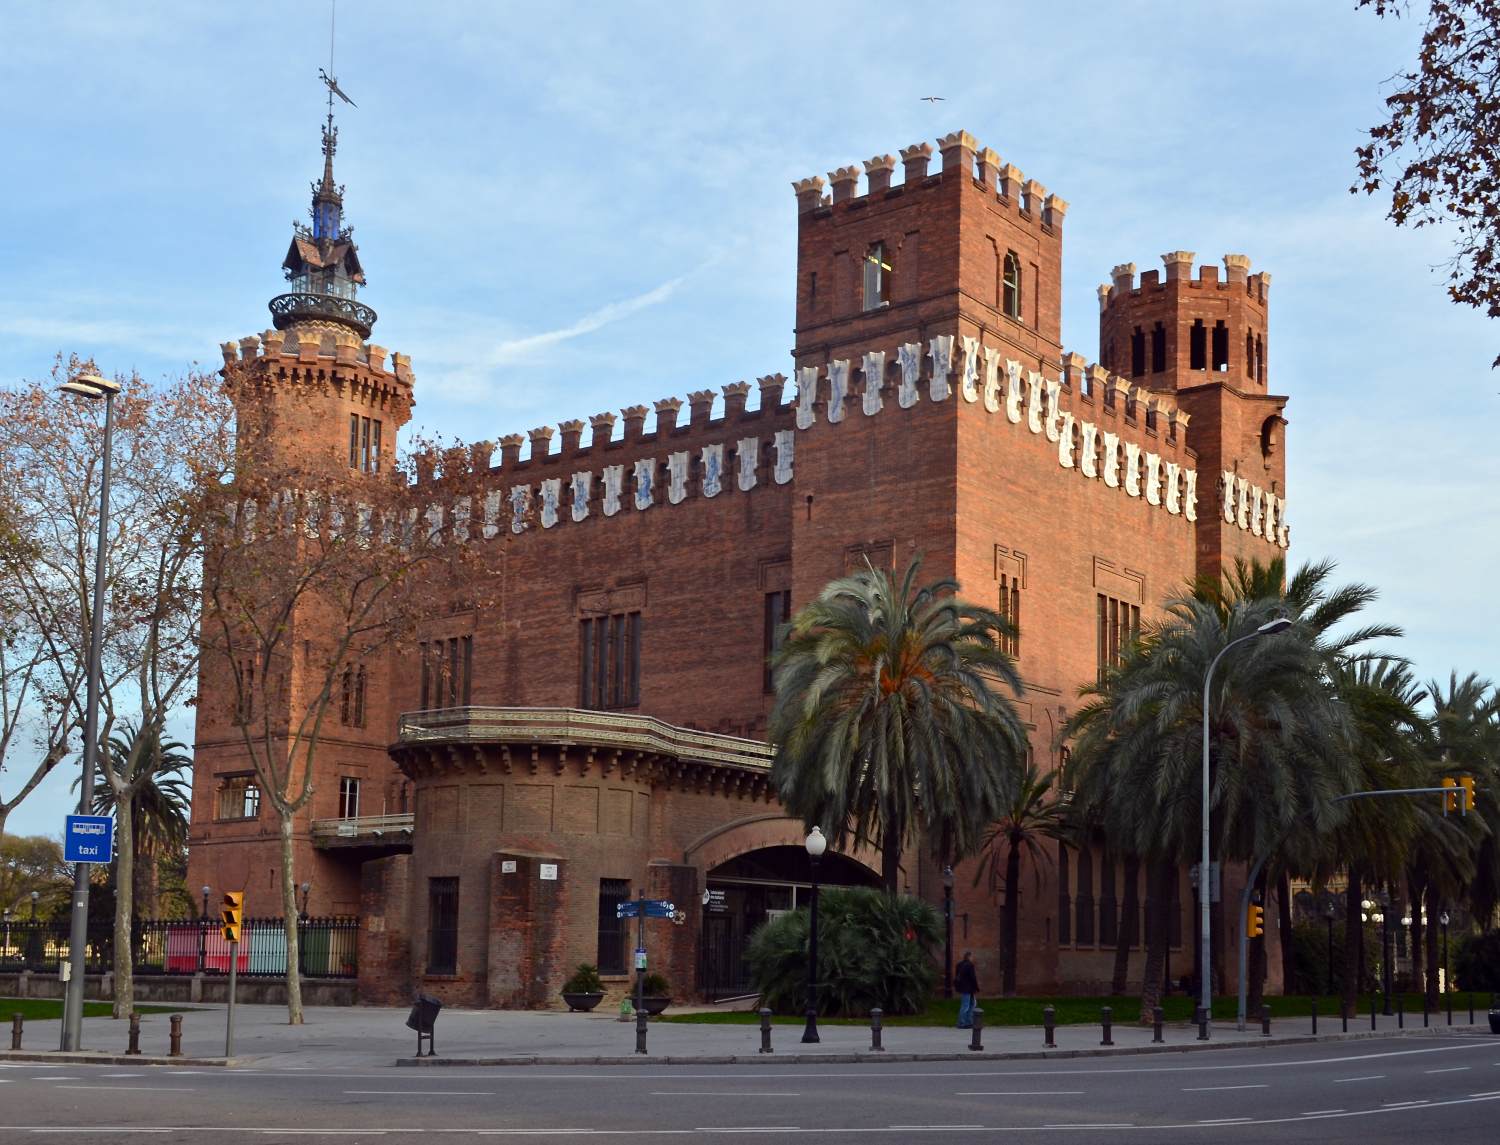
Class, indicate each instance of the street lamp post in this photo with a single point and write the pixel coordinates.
(1443, 922)
(306, 889)
(947, 932)
(816, 845)
(88, 386)
(7, 934)
(1329, 910)
(1205, 869)
(1385, 953)
(203, 932)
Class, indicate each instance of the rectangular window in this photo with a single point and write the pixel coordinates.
(1197, 346)
(1137, 352)
(424, 693)
(613, 931)
(364, 443)
(877, 277)
(1010, 610)
(244, 704)
(1118, 625)
(778, 612)
(442, 926)
(239, 797)
(348, 797)
(1158, 348)
(609, 661)
(445, 668)
(1221, 346)
(375, 449)
(354, 441)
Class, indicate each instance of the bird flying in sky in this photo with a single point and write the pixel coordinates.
(933, 98)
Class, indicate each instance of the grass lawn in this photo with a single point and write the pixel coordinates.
(1072, 1011)
(42, 1009)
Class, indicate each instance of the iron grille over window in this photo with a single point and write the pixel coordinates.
(609, 661)
(613, 931)
(442, 926)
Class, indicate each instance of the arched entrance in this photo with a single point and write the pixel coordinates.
(744, 892)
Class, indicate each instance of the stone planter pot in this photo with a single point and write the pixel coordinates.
(582, 1003)
(655, 1004)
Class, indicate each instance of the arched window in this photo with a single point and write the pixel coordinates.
(1011, 285)
(877, 277)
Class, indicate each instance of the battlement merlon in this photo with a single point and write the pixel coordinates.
(1179, 269)
(301, 355)
(963, 158)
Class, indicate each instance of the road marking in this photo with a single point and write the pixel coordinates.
(1019, 1093)
(1217, 1088)
(1450, 1069)
(1222, 1120)
(937, 1126)
(1367, 1077)
(1398, 1104)
(749, 1129)
(1090, 1125)
(1321, 1112)
(50, 1078)
(1491, 1093)
(713, 1093)
(134, 1088)
(421, 1092)
(122, 1075)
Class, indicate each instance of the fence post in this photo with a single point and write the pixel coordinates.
(174, 1045)
(765, 1031)
(1105, 1017)
(1265, 1020)
(877, 1023)
(974, 1038)
(1049, 1025)
(16, 1023)
(1157, 1017)
(134, 1046)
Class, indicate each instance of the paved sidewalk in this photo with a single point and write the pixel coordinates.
(341, 1038)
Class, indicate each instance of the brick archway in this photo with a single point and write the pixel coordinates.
(756, 832)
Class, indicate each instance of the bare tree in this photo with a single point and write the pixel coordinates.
(316, 566)
(1438, 153)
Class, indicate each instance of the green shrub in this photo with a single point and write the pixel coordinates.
(585, 980)
(1310, 952)
(1477, 963)
(655, 986)
(873, 950)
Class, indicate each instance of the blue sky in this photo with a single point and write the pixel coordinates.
(569, 208)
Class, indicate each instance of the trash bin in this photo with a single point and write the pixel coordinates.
(422, 1018)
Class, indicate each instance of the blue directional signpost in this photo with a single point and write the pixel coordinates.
(641, 909)
(89, 839)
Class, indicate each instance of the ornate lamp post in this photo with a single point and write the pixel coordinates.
(1329, 910)
(1383, 916)
(306, 889)
(89, 386)
(203, 932)
(6, 956)
(1443, 922)
(34, 896)
(816, 845)
(947, 932)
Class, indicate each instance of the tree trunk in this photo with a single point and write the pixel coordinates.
(1009, 919)
(1125, 935)
(1353, 936)
(143, 883)
(890, 863)
(1158, 893)
(1286, 939)
(124, 960)
(1434, 908)
(290, 923)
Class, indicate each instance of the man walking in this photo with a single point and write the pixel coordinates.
(966, 982)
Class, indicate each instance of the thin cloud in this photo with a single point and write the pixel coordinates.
(525, 349)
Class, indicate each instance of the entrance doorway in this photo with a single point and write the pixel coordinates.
(744, 893)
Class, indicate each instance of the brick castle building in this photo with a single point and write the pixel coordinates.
(487, 799)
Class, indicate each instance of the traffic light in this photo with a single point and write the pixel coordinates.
(231, 914)
(1255, 924)
(1467, 783)
(1450, 796)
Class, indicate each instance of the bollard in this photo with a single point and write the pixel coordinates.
(1372, 1011)
(877, 1021)
(1401, 1011)
(1448, 997)
(1265, 1020)
(1157, 1017)
(1425, 1022)
(16, 1022)
(975, 1042)
(1105, 1017)
(640, 1030)
(1471, 1007)
(134, 1047)
(174, 1049)
(1344, 1014)
(1200, 1016)
(765, 1031)
(1049, 1025)
(1315, 1017)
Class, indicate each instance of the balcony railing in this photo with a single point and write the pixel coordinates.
(289, 308)
(576, 726)
(363, 828)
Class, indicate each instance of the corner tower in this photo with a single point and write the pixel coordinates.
(1203, 339)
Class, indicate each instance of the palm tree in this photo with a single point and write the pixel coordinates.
(1466, 733)
(158, 812)
(887, 720)
(1025, 824)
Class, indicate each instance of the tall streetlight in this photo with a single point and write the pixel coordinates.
(1447, 980)
(816, 845)
(89, 386)
(1384, 917)
(1329, 910)
(203, 932)
(947, 932)
(1205, 867)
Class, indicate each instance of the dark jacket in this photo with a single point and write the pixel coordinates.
(965, 981)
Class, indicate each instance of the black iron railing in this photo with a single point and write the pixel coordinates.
(326, 947)
(288, 308)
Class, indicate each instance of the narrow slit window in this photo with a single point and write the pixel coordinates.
(1197, 346)
(1158, 348)
(1137, 352)
(877, 277)
(1221, 346)
(1011, 293)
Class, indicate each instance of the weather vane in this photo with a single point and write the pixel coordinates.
(328, 78)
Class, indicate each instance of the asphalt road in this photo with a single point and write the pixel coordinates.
(1389, 1089)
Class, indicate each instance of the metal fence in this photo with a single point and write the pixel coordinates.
(326, 947)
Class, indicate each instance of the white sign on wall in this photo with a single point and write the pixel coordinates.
(507, 866)
(547, 871)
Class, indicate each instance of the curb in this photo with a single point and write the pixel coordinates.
(861, 1056)
(84, 1057)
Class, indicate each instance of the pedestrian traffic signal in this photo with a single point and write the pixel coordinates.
(1450, 795)
(1467, 783)
(1255, 924)
(232, 914)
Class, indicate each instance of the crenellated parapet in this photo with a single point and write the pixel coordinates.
(1178, 267)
